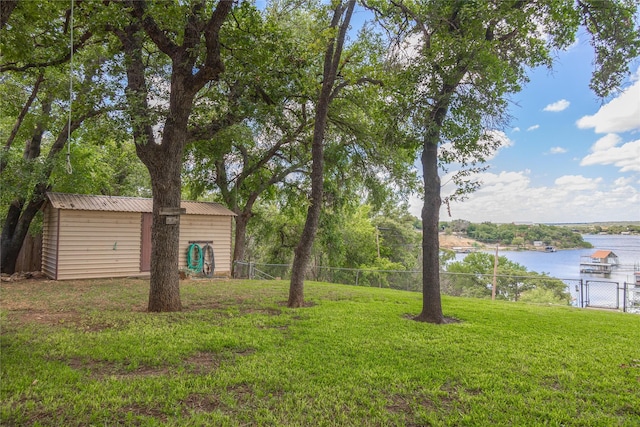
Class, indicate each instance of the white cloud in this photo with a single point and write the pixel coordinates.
(577, 183)
(557, 106)
(534, 127)
(623, 181)
(608, 141)
(606, 151)
(511, 196)
(515, 129)
(621, 114)
(558, 150)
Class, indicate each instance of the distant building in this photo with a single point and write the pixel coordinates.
(600, 262)
(604, 257)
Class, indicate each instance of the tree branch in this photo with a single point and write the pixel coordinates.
(23, 112)
(358, 82)
(159, 38)
(65, 58)
(213, 65)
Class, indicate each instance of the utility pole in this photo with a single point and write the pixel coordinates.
(495, 275)
(378, 240)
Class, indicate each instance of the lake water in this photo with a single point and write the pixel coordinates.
(565, 264)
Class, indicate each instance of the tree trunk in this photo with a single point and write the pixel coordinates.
(331, 63)
(21, 212)
(164, 291)
(431, 301)
(302, 252)
(240, 247)
(6, 8)
(11, 242)
(16, 227)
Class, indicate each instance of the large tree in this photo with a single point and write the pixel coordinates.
(461, 60)
(172, 52)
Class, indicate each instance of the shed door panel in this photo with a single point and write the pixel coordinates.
(145, 244)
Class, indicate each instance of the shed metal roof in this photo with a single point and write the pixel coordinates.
(85, 202)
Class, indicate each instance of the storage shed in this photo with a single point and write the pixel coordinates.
(102, 236)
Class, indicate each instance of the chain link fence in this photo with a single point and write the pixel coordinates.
(582, 293)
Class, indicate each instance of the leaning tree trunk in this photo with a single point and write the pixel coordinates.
(15, 230)
(302, 252)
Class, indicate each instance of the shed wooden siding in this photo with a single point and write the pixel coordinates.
(97, 244)
(208, 228)
(50, 243)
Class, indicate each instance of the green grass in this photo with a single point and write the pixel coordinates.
(86, 353)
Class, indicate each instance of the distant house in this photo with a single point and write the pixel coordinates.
(101, 236)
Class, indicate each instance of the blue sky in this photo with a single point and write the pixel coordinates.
(568, 155)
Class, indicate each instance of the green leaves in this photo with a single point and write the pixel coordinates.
(613, 25)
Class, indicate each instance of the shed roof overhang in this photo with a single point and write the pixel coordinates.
(86, 202)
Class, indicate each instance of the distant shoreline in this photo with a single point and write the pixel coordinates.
(464, 244)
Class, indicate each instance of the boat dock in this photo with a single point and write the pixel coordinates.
(600, 262)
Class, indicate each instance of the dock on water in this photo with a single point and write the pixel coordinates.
(600, 262)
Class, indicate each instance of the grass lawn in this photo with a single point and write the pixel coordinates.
(85, 353)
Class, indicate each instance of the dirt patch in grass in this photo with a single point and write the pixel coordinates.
(242, 394)
(71, 319)
(404, 404)
(140, 410)
(100, 369)
(305, 304)
(38, 415)
(74, 296)
(200, 363)
(45, 317)
(407, 406)
(243, 306)
(262, 310)
(198, 402)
